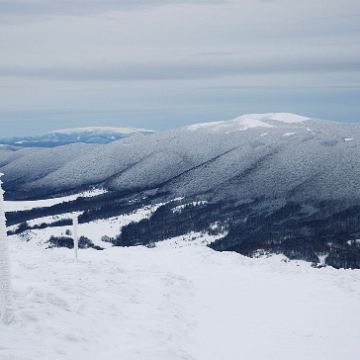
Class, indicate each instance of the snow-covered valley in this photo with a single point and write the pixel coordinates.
(185, 303)
(94, 230)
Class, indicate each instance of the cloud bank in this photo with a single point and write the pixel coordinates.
(177, 59)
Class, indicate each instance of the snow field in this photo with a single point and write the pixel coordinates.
(186, 303)
(28, 205)
(93, 230)
(190, 239)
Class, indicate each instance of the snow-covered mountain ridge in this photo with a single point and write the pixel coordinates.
(278, 183)
(147, 162)
(90, 135)
(245, 122)
(101, 130)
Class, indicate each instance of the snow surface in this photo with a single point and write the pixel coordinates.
(28, 205)
(288, 134)
(93, 230)
(287, 118)
(241, 123)
(250, 121)
(187, 303)
(178, 300)
(204, 125)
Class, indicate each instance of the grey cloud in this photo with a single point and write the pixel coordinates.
(348, 16)
(284, 87)
(81, 7)
(175, 71)
(216, 53)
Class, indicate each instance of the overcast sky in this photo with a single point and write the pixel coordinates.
(161, 64)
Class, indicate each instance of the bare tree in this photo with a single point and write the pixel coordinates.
(6, 299)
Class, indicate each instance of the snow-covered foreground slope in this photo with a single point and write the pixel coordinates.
(189, 303)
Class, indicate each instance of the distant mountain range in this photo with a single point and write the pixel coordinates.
(277, 183)
(90, 135)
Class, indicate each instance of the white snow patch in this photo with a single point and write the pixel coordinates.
(351, 242)
(241, 123)
(28, 205)
(287, 118)
(250, 121)
(322, 259)
(48, 219)
(111, 227)
(288, 134)
(204, 125)
(190, 239)
(93, 230)
(215, 225)
(180, 207)
(348, 139)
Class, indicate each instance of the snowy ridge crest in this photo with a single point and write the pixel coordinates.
(251, 121)
(90, 135)
(101, 130)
